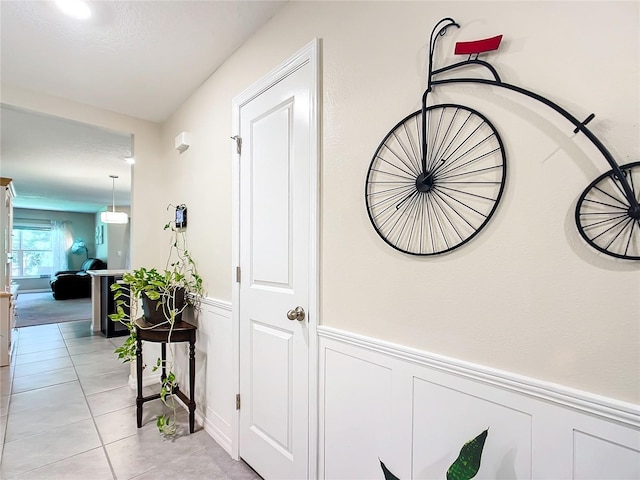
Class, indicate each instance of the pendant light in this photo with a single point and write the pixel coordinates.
(113, 216)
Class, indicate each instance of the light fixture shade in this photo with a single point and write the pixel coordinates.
(78, 246)
(114, 217)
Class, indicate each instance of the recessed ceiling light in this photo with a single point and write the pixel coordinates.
(130, 160)
(74, 8)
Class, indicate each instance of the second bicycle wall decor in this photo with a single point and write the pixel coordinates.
(437, 177)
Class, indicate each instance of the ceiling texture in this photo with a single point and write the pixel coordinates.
(138, 58)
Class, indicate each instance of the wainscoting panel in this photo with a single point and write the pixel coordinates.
(215, 391)
(414, 411)
(360, 393)
(443, 417)
(594, 457)
(220, 389)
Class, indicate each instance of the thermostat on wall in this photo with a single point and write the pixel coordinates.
(181, 216)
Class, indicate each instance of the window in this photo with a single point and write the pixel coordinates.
(32, 253)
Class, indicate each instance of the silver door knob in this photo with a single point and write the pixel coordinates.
(296, 314)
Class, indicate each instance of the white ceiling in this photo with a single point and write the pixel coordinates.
(59, 164)
(138, 58)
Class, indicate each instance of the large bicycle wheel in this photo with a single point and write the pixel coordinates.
(436, 205)
(605, 217)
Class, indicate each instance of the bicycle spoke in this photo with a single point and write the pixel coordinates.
(449, 222)
(437, 153)
(382, 192)
(464, 192)
(475, 159)
(604, 222)
(413, 216)
(409, 179)
(469, 207)
(463, 143)
(625, 205)
(470, 172)
(626, 222)
(407, 154)
(454, 210)
(414, 149)
(623, 208)
(402, 215)
(454, 140)
(432, 140)
(391, 200)
(408, 171)
(633, 226)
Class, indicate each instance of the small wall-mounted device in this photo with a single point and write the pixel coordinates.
(183, 141)
(181, 216)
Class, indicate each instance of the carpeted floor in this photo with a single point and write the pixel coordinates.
(42, 308)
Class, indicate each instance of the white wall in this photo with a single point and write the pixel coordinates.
(527, 295)
(116, 241)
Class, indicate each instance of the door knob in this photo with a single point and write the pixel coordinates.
(296, 314)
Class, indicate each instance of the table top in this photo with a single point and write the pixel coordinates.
(182, 331)
(106, 273)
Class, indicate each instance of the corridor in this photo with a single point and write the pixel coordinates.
(67, 412)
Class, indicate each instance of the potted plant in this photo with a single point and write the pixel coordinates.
(164, 296)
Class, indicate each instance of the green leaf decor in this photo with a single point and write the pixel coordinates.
(468, 462)
(387, 474)
(466, 465)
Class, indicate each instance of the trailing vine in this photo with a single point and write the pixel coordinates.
(179, 277)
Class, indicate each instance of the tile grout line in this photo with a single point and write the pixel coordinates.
(15, 349)
(14, 366)
(87, 386)
(79, 384)
(93, 419)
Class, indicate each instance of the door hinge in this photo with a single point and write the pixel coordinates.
(237, 401)
(238, 274)
(238, 140)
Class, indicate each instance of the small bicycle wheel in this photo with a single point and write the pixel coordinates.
(436, 205)
(605, 217)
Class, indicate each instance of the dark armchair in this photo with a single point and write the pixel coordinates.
(75, 283)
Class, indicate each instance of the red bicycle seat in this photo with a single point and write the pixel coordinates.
(478, 46)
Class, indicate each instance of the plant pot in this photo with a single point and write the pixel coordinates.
(154, 310)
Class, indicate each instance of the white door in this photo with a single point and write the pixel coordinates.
(276, 256)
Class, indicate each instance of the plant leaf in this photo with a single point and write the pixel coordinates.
(467, 464)
(387, 474)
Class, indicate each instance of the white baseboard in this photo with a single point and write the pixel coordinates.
(217, 434)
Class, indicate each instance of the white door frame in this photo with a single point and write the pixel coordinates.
(310, 54)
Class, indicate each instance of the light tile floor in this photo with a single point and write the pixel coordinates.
(67, 412)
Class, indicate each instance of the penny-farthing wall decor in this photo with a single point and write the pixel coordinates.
(437, 177)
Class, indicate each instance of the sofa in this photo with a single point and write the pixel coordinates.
(68, 284)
